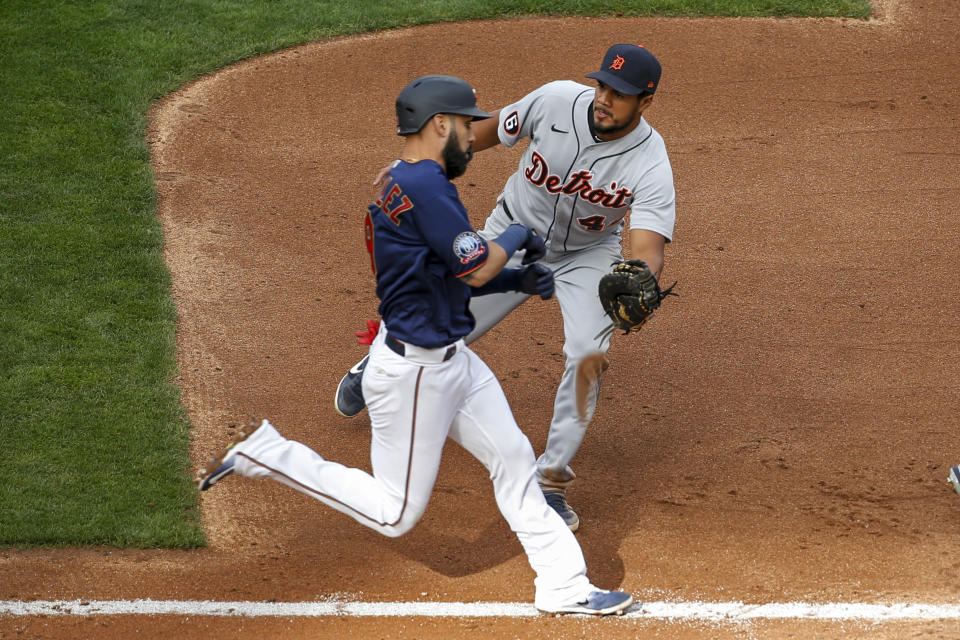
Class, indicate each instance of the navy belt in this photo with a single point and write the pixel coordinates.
(400, 349)
(506, 209)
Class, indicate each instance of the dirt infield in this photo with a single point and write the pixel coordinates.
(782, 431)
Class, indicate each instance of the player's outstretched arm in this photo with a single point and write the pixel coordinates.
(648, 246)
(496, 259)
(485, 132)
(532, 279)
(516, 237)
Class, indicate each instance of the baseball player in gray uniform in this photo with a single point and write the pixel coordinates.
(593, 167)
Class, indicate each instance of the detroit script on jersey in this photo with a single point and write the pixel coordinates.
(580, 184)
(576, 190)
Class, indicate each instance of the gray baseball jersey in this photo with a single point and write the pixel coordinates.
(577, 192)
(582, 195)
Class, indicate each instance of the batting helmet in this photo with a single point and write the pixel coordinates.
(427, 96)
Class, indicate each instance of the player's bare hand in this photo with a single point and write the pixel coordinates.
(382, 174)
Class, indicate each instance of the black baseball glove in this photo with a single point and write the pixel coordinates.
(630, 293)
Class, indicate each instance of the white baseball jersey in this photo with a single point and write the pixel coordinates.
(574, 189)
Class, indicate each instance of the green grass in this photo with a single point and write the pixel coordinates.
(93, 438)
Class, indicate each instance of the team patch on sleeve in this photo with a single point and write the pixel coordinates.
(511, 124)
(469, 247)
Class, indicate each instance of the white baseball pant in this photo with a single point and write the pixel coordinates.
(415, 402)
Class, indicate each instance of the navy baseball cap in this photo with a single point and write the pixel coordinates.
(629, 69)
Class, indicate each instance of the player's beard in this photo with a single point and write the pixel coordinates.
(455, 159)
(611, 129)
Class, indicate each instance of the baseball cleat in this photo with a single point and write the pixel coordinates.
(599, 603)
(954, 478)
(349, 399)
(222, 466)
(557, 499)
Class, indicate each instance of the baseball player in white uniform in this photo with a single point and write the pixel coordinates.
(593, 165)
(422, 383)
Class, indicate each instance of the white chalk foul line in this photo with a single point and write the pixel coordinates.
(712, 611)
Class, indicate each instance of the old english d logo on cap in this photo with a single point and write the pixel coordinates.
(629, 69)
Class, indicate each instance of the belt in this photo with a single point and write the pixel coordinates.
(400, 348)
(506, 209)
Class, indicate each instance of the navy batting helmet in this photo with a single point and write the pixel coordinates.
(427, 96)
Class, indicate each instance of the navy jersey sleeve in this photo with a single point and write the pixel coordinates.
(447, 230)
